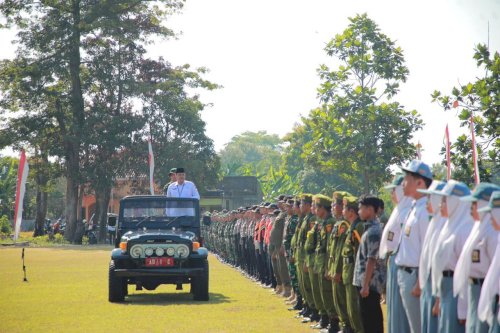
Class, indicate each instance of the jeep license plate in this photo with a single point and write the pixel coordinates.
(159, 262)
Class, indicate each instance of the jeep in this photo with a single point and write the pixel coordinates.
(158, 241)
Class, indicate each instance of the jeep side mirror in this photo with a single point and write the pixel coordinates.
(207, 220)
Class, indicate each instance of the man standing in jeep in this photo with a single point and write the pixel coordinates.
(182, 188)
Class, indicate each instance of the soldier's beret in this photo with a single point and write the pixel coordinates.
(339, 195)
(350, 202)
(322, 200)
(306, 197)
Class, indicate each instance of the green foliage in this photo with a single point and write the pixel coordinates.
(8, 180)
(480, 99)
(358, 132)
(5, 226)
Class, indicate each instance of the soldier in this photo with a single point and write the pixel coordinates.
(172, 178)
(418, 175)
(452, 311)
(369, 273)
(349, 251)
(335, 260)
(277, 251)
(290, 227)
(476, 256)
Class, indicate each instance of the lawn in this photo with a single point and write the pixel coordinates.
(67, 292)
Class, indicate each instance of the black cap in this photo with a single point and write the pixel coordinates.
(179, 170)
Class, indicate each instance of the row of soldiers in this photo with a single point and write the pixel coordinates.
(307, 249)
(437, 258)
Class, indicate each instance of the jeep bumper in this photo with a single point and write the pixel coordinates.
(158, 272)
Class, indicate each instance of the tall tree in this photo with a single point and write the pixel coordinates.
(359, 131)
(479, 100)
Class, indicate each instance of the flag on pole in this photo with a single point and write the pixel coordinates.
(448, 159)
(151, 161)
(474, 150)
(22, 176)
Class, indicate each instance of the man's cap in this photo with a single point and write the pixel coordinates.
(454, 188)
(493, 203)
(398, 180)
(369, 200)
(418, 167)
(281, 198)
(256, 210)
(173, 170)
(436, 185)
(482, 191)
(276, 212)
(322, 200)
(339, 195)
(179, 170)
(306, 197)
(273, 206)
(290, 202)
(350, 202)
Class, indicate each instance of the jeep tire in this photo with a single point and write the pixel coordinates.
(117, 285)
(199, 285)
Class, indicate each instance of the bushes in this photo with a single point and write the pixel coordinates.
(5, 227)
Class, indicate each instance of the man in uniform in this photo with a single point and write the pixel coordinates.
(277, 252)
(173, 179)
(290, 227)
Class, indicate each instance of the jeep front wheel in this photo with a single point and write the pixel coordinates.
(200, 284)
(116, 285)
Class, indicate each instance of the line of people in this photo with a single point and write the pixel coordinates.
(437, 258)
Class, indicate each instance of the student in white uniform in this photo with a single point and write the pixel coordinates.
(418, 175)
(476, 257)
(488, 301)
(452, 312)
(397, 322)
(428, 320)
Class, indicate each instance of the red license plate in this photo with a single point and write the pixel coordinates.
(159, 262)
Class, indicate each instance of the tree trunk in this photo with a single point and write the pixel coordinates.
(102, 198)
(71, 206)
(41, 195)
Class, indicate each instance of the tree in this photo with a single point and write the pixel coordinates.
(358, 132)
(480, 101)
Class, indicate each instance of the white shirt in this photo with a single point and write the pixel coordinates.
(483, 252)
(186, 190)
(413, 235)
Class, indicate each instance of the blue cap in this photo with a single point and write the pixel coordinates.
(493, 203)
(436, 185)
(453, 188)
(419, 168)
(482, 192)
(398, 180)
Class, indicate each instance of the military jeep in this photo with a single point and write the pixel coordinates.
(158, 242)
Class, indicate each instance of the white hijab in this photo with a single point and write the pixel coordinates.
(393, 225)
(458, 217)
(491, 286)
(431, 237)
(462, 270)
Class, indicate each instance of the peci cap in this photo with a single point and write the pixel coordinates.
(179, 170)
(493, 203)
(482, 191)
(437, 185)
(453, 188)
(398, 180)
(419, 168)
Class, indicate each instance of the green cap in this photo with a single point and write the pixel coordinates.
(482, 191)
(493, 203)
(322, 200)
(398, 180)
(453, 188)
(436, 185)
(339, 195)
(306, 197)
(350, 202)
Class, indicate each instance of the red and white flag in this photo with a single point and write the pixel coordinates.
(151, 161)
(22, 176)
(474, 150)
(448, 159)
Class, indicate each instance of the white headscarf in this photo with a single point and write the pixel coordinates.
(458, 217)
(462, 270)
(430, 240)
(393, 225)
(490, 287)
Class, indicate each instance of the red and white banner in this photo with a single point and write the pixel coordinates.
(22, 176)
(151, 161)
(474, 150)
(448, 158)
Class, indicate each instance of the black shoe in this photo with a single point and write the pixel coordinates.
(334, 326)
(324, 321)
(315, 316)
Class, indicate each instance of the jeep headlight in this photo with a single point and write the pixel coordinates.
(183, 251)
(136, 251)
(149, 251)
(170, 251)
(159, 251)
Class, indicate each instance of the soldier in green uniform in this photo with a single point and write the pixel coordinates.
(298, 260)
(335, 258)
(324, 226)
(349, 249)
(173, 178)
(290, 226)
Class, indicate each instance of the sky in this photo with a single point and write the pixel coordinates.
(265, 54)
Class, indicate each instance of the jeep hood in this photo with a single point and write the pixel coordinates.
(158, 234)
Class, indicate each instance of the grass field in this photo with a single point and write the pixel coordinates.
(67, 292)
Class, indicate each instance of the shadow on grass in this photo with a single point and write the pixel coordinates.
(173, 299)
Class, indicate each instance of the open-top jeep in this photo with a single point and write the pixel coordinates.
(158, 242)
